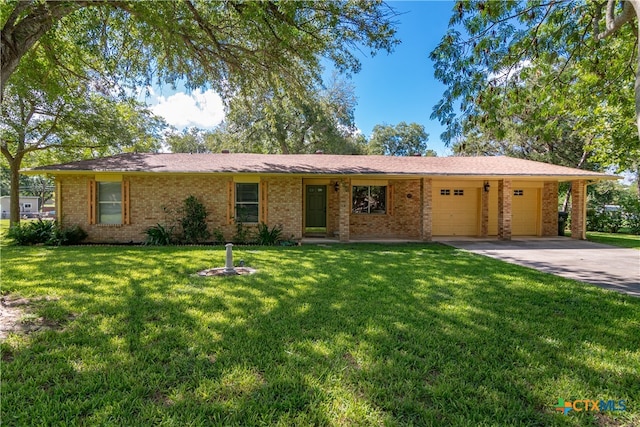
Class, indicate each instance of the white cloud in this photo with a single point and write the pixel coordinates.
(199, 109)
(506, 74)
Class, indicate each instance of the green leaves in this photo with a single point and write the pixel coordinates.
(224, 45)
(400, 140)
(525, 76)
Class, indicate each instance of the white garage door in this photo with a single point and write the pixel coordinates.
(455, 211)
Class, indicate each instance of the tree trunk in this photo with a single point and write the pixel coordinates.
(14, 193)
(567, 197)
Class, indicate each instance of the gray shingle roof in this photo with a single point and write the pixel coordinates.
(317, 164)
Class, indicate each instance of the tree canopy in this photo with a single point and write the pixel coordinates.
(560, 73)
(400, 140)
(224, 45)
(68, 69)
(50, 114)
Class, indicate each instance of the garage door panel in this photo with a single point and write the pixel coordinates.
(525, 209)
(455, 211)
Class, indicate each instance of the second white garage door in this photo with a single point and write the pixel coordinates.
(455, 211)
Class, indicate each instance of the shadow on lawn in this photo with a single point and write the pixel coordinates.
(366, 334)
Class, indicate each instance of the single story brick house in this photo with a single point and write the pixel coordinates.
(115, 199)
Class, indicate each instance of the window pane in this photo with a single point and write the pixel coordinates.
(109, 203)
(378, 199)
(360, 199)
(246, 193)
(247, 202)
(369, 199)
(109, 191)
(247, 212)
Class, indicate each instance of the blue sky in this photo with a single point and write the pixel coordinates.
(390, 87)
(400, 86)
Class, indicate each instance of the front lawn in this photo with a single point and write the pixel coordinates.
(341, 335)
(615, 239)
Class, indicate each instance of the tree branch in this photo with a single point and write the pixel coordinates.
(614, 23)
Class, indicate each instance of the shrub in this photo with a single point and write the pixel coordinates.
(631, 208)
(218, 237)
(159, 235)
(45, 232)
(194, 226)
(242, 235)
(68, 236)
(269, 237)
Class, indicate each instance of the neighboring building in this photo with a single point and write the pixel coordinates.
(29, 205)
(115, 199)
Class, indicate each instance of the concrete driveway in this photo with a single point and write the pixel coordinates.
(607, 266)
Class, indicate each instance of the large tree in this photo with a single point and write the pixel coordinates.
(226, 45)
(114, 46)
(582, 55)
(403, 139)
(52, 116)
(279, 122)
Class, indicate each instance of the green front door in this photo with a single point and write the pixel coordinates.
(316, 206)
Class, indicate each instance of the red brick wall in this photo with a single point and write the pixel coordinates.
(284, 201)
(427, 205)
(578, 218)
(550, 208)
(504, 209)
(403, 217)
(150, 194)
(406, 217)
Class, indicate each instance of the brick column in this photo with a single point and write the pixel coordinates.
(484, 220)
(550, 208)
(504, 209)
(427, 219)
(579, 210)
(345, 209)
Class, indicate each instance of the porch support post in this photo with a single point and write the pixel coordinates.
(426, 197)
(579, 209)
(345, 209)
(504, 209)
(550, 208)
(484, 225)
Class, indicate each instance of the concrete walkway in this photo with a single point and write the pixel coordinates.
(607, 266)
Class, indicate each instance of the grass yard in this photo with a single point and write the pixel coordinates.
(344, 335)
(615, 239)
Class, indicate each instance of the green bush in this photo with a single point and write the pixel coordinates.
(242, 235)
(218, 237)
(193, 221)
(631, 209)
(45, 233)
(269, 237)
(68, 236)
(159, 235)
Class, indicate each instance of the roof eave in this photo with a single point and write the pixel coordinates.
(333, 174)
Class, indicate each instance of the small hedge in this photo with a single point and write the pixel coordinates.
(45, 233)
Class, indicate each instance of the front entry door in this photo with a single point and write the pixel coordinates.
(316, 206)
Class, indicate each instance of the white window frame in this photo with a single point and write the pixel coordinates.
(245, 203)
(100, 203)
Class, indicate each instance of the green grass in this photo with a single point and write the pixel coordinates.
(343, 335)
(621, 240)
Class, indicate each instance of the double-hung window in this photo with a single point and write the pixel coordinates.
(369, 199)
(109, 203)
(247, 202)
